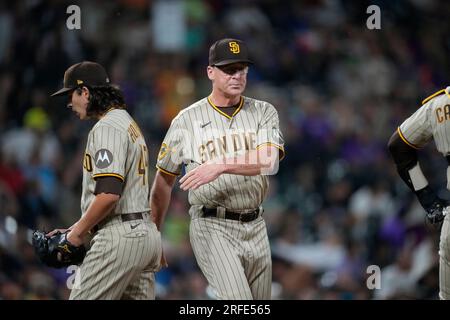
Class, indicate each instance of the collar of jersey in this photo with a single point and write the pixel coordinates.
(241, 103)
(107, 111)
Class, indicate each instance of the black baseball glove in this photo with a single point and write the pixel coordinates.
(433, 205)
(56, 251)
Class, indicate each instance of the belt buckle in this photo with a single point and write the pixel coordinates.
(240, 217)
(254, 214)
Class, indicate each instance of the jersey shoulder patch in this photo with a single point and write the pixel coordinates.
(434, 95)
(103, 158)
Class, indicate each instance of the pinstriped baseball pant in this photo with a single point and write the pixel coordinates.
(234, 256)
(444, 260)
(121, 262)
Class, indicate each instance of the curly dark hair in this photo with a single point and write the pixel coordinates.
(102, 98)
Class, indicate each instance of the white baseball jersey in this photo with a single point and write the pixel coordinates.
(113, 134)
(234, 256)
(202, 132)
(430, 121)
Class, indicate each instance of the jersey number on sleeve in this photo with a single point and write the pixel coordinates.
(143, 163)
(87, 162)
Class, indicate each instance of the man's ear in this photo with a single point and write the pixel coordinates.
(209, 72)
(85, 92)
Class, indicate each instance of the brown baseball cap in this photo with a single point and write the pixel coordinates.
(227, 51)
(85, 73)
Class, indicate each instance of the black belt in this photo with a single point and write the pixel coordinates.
(124, 218)
(243, 217)
(131, 216)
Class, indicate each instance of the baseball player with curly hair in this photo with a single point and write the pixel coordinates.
(126, 245)
(228, 144)
(430, 122)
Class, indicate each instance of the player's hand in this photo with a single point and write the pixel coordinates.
(51, 233)
(201, 175)
(74, 239)
(163, 262)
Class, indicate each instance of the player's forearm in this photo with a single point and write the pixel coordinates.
(160, 195)
(159, 203)
(100, 208)
(254, 162)
(242, 169)
(406, 160)
(408, 167)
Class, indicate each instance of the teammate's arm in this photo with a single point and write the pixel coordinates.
(159, 201)
(263, 160)
(160, 196)
(406, 160)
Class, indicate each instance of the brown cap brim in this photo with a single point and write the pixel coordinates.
(230, 61)
(61, 92)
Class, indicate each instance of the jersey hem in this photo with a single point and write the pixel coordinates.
(109, 175)
(167, 172)
(404, 139)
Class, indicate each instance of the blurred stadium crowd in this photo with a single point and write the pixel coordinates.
(336, 205)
